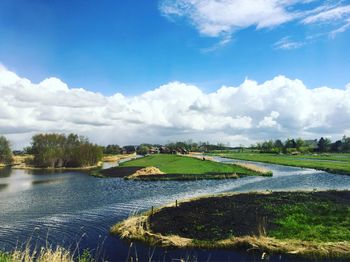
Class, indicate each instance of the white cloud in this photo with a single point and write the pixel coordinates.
(222, 18)
(286, 43)
(341, 29)
(332, 14)
(277, 108)
(213, 18)
(269, 121)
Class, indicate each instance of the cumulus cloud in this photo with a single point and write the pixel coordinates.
(222, 18)
(269, 121)
(278, 108)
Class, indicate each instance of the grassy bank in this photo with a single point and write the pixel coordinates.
(175, 167)
(312, 224)
(333, 163)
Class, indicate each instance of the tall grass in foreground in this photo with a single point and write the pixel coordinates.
(44, 255)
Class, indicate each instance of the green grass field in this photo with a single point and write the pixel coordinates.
(333, 163)
(181, 165)
(313, 221)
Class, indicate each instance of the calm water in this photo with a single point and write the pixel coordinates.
(75, 210)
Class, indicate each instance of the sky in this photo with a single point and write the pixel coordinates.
(127, 72)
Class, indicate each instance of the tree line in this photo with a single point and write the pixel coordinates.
(146, 148)
(304, 146)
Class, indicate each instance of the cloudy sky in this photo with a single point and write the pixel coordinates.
(231, 71)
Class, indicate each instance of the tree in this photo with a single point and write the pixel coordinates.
(267, 146)
(299, 143)
(57, 150)
(129, 149)
(336, 146)
(5, 151)
(279, 145)
(142, 150)
(323, 144)
(112, 149)
(345, 144)
(290, 143)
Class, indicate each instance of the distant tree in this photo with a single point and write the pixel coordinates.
(279, 145)
(299, 143)
(336, 146)
(142, 150)
(267, 146)
(129, 149)
(290, 143)
(345, 144)
(5, 151)
(323, 144)
(112, 149)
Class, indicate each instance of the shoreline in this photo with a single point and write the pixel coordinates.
(139, 228)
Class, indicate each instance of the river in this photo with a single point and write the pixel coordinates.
(75, 210)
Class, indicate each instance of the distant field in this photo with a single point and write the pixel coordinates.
(333, 163)
(181, 167)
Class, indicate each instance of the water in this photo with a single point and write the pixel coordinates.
(75, 210)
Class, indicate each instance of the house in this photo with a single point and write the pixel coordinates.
(154, 150)
(164, 150)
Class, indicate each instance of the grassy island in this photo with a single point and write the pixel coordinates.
(330, 162)
(312, 224)
(176, 167)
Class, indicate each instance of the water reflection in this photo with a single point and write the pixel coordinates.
(5, 172)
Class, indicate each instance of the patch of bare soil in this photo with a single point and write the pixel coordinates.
(120, 171)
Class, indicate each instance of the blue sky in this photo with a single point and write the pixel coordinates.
(134, 46)
(154, 71)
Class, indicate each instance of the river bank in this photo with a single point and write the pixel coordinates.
(312, 224)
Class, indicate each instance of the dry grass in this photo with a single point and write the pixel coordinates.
(43, 255)
(146, 171)
(254, 168)
(115, 158)
(137, 228)
(199, 156)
